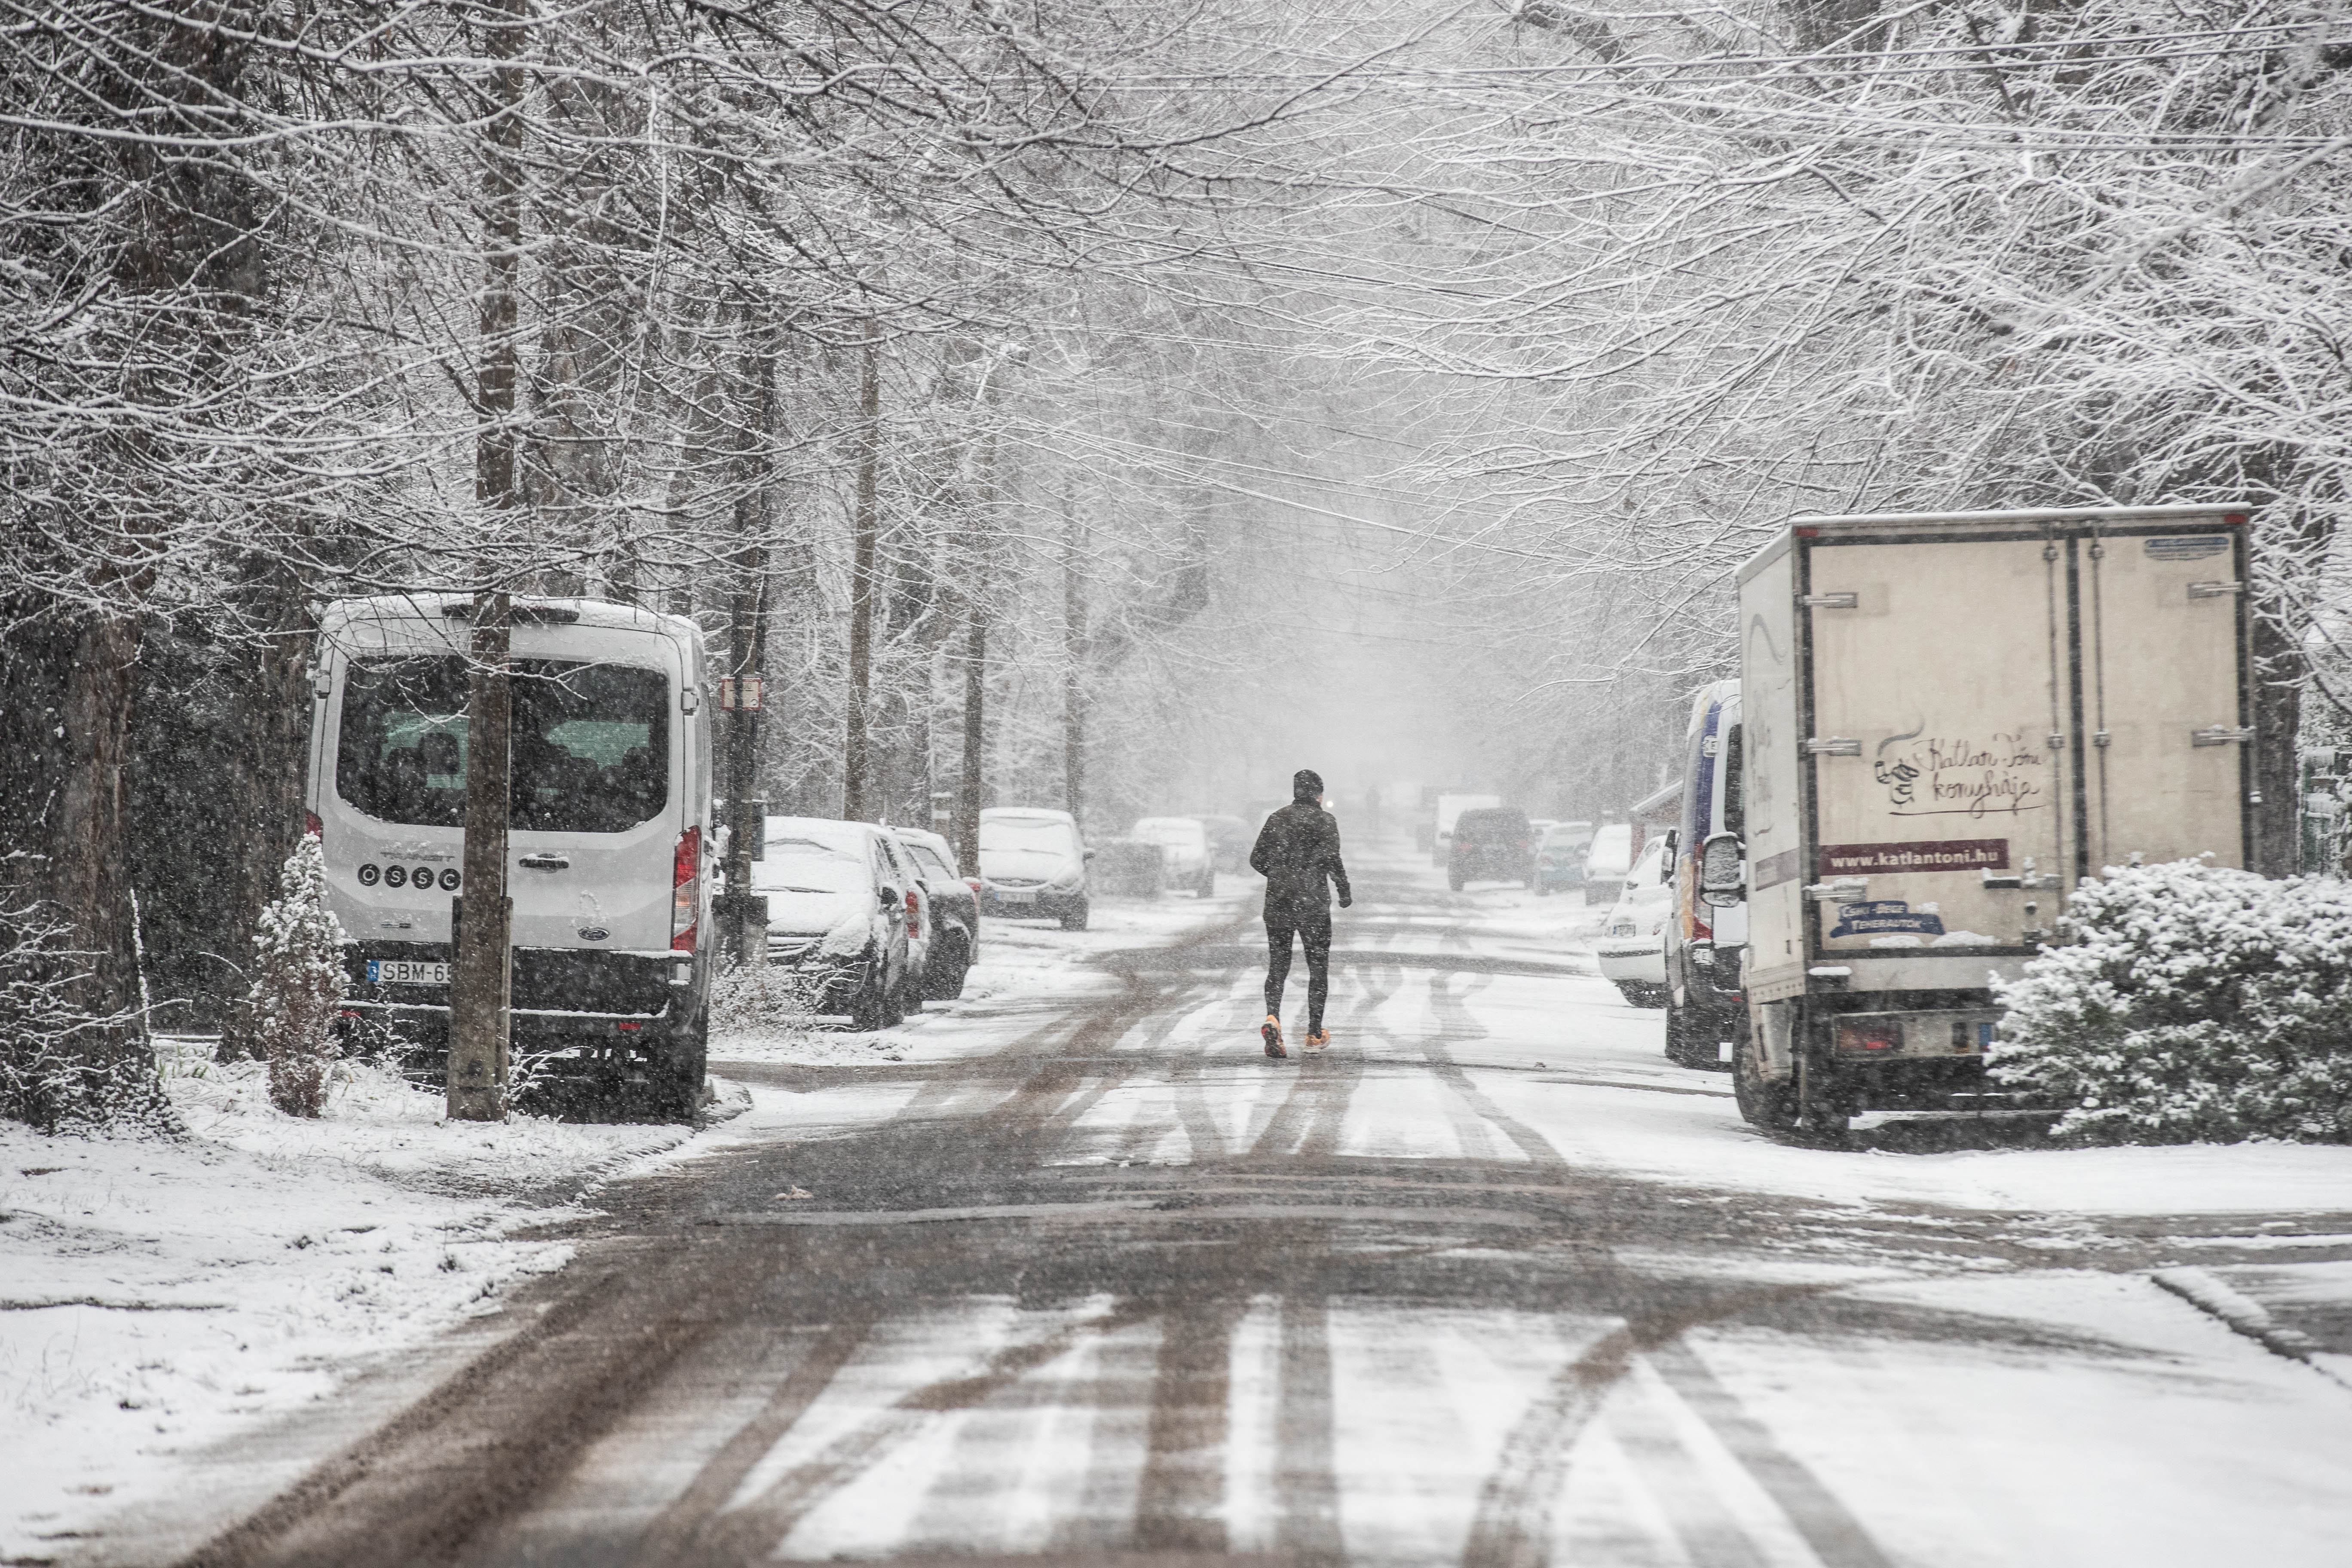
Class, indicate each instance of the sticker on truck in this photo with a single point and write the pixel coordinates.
(1886, 917)
(1929, 855)
(2196, 547)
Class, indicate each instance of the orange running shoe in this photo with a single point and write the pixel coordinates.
(1272, 1032)
(1318, 1040)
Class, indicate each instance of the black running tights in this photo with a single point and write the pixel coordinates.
(1311, 925)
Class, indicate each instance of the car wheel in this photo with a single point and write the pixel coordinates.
(1540, 889)
(945, 982)
(868, 1004)
(1208, 886)
(894, 999)
(1076, 919)
(678, 1091)
(1453, 880)
(1638, 994)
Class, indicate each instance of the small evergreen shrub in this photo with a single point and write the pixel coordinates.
(2200, 1005)
(297, 984)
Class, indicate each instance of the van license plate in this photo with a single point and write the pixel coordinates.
(1016, 896)
(405, 971)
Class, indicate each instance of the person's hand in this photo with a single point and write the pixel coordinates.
(1345, 900)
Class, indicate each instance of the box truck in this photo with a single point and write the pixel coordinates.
(1947, 721)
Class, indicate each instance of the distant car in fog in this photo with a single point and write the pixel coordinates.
(1630, 947)
(1449, 809)
(1128, 868)
(1559, 855)
(1230, 838)
(1033, 864)
(1491, 844)
(1607, 862)
(1184, 851)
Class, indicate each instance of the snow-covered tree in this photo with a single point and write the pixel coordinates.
(297, 981)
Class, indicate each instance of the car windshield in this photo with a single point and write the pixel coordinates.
(1026, 835)
(928, 864)
(590, 743)
(803, 865)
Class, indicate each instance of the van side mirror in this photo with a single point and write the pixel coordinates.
(1722, 871)
(1089, 853)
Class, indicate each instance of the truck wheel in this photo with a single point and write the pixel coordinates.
(1762, 1103)
(1820, 1109)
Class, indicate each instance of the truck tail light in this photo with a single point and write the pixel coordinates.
(686, 890)
(1701, 931)
(1871, 1038)
(914, 917)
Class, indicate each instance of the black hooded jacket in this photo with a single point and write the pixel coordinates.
(1298, 852)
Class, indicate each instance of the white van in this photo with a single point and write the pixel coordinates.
(1607, 862)
(608, 834)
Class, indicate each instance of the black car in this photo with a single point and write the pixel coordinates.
(1494, 843)
(1230, 838)
(955, 912)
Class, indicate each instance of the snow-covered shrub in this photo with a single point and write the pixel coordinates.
(298, 983)
(761, 1001)
(2199, 1004)
(63, 1068)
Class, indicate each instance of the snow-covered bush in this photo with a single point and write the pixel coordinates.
(760, 1001)
(297, 981)
(2199, 1004)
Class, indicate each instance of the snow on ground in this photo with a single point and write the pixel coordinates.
(161, 1293)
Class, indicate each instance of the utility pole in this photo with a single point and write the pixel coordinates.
(857, 757)
(1074, 657)
(481, 972)
(970, 796)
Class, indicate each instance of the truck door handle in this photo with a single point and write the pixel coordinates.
(545, 862)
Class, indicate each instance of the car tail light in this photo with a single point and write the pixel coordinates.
(312, 826)
(1871, 1038)
(914, 917)
(974, 883)
(686, 890)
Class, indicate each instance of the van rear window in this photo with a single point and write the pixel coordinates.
(590, 743)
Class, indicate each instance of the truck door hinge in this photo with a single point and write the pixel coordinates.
(1832, 892)
(2025, 879)
(2215, 590)
(2220, 735)
(1829, 601)
(1833, 746)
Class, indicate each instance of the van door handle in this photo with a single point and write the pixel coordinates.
(545, 862)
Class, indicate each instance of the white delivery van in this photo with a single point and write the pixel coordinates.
(608, 839)
(1704, 942)
(1949, 721)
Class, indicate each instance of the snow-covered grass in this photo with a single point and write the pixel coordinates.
(158, 1294)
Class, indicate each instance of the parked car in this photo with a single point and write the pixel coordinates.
(1491, 844)
(954, 911)
(846, 913)
(1129, 869)
(610, 821)
(1561, 854)
(1630, 947)
(1705, 1007)
(1230, 839)
(1450, 807)
(1183, 850)
(1033, 864)
(1605, 865)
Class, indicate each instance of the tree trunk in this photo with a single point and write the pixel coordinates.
(858, 751)
(482, 968)
(1074, 657)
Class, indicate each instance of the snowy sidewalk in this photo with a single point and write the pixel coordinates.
(156, 1295)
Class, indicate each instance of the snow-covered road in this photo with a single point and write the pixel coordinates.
(1070, 1273)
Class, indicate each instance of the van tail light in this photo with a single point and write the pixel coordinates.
(914, 917)
(1871, 1038)
(312, 826)
(686, 890)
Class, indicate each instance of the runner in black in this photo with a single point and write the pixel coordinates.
(1298, 852)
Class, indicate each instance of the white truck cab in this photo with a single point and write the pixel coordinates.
(608, 843)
